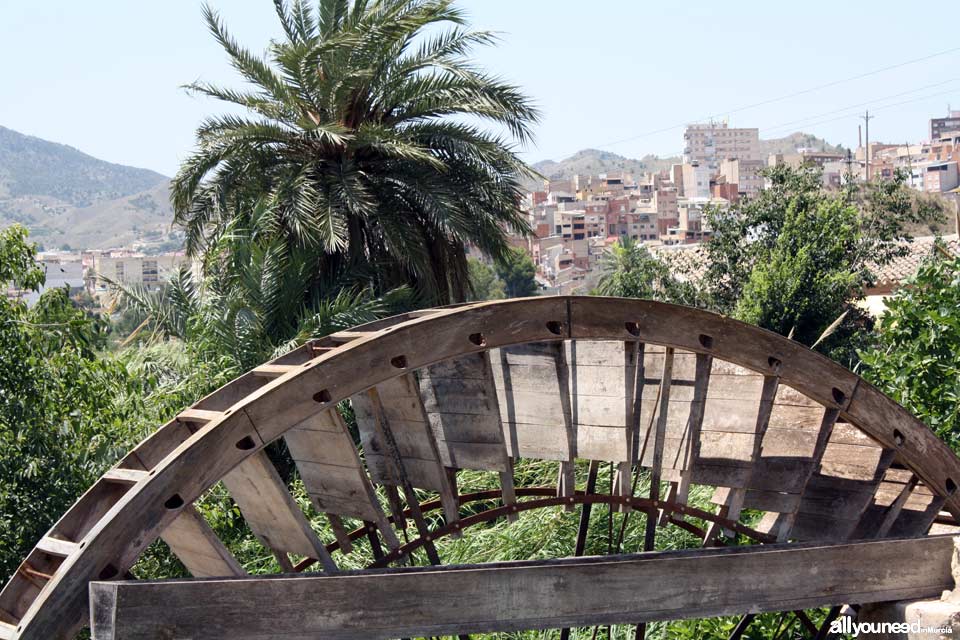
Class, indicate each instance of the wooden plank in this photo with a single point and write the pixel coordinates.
(125, 476)
(332, 472)
(401, 407)
(417, 602)
(7, 631)
(658, 442)
(533, 401)
(737, 495)
(272, 513)
(273, 370)
(192, 540)
(199, 416)
(701, 386)
(342, 337)
(398, 474)
(57, 547)
(465, 441)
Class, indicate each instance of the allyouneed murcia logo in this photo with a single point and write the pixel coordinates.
(848, 626)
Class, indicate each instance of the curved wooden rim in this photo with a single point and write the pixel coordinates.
(254, 419)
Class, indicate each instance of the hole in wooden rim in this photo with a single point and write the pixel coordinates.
(774, 363)
(478, 339)
(555, 327)
(400, 362)
(322, 396)
(838, 396)
(633, 328)
(951, 486)
(108, 572)
(706, 341)
(898, 438)
(246, 443)
(174, 502)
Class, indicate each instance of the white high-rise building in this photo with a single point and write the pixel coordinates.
(711, 143)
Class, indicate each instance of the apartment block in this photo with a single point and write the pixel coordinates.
(710, 143)
(941, 126)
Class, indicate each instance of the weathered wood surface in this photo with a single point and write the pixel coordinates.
(116, 520)
(196, 545)
(272, 513)
(460, 398)
(526, 595)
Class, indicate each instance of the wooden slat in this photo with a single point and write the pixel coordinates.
(126, 476)
(56, 547)
(199, 415)
(656, 472)
(534, 401)
(273, 370)
(402, 407)
(397, 474)
(332, 473)
(827, 423)
(472, 440)
(695, 422)
(349, 336)
(192, 540)
(271, 512)
(435, 601)
(7, 631)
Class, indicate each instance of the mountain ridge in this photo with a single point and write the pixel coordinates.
(68, 198)
(594, 161)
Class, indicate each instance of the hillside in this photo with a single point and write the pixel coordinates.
(594, 161)
(798, 140)
(66, 197)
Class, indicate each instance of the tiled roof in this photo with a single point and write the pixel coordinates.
(693, 260)
(898, 270)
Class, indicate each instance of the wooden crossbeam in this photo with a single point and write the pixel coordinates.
(200, 416)
(57, 547)
(125, 476)
(273, 370)
(432, 601)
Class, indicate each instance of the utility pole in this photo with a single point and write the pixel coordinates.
(866, 119)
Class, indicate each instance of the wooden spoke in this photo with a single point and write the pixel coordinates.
(272, 513)
(192, 540)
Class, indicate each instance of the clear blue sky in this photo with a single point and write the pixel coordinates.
(104, 76)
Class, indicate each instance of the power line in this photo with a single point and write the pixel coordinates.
(856, 106)
(783, 97)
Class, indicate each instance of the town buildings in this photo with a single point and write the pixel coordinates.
(576, 218)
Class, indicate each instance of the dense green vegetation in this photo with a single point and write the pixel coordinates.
(915, 357)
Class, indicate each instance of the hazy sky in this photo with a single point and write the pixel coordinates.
(624, 76)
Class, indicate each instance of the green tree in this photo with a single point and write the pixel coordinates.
(364, 155)
(484, 283)
(629, 270)
(745, 235)
(517, 271)
(251, 305)
(65, 414)
(796, 257)
(805, 280)
(915, 358)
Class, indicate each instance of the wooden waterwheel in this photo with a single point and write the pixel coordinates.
(829, 486)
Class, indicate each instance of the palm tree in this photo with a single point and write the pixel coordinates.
(365, 151)
(249, 308)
